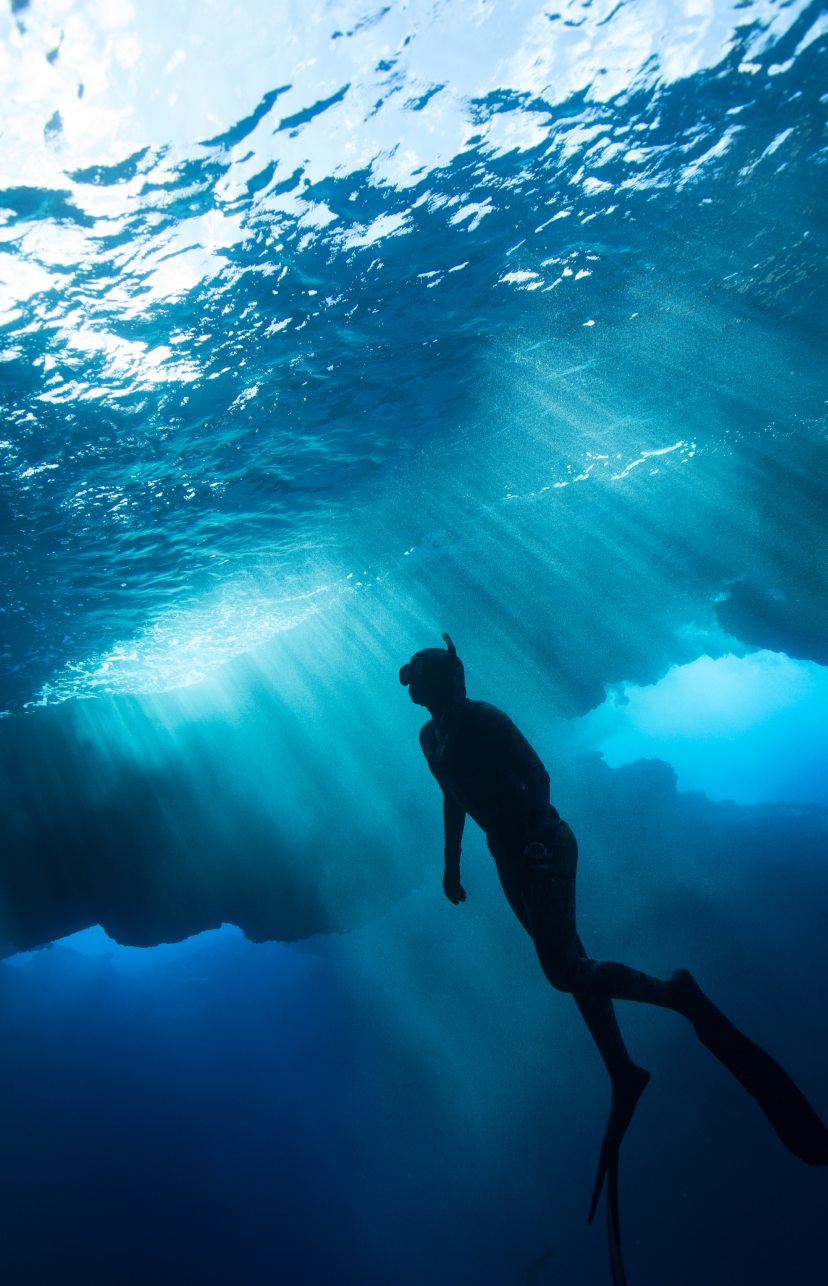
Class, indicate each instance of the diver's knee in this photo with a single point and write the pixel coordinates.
(560, 972)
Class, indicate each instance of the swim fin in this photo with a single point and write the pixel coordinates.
(608, 1169)
(624, 1102)
(613, 1228)
(783, 1103)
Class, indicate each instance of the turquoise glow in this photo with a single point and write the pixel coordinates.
(749, 728)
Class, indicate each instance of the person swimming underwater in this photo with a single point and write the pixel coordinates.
(486, 769)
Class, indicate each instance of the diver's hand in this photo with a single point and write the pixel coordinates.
(452, 887)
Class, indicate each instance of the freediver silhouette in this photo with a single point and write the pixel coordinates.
(486, 768)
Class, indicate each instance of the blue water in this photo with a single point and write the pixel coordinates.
(326, 329)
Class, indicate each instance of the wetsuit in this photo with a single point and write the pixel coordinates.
(486, 768)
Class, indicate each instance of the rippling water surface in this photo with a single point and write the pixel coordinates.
(289, 299)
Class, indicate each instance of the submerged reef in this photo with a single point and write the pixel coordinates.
(214, 828)
(799, 627)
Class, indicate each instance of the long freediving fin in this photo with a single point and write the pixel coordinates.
(613, 1224)
(599, 1179)
(783, 1103)
(624, 1101)
(608, 1169)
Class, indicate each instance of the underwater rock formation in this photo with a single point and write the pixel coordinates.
(270, 823)
(158, 832)
(799, 628)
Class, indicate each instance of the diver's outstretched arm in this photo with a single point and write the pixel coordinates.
(454, 819)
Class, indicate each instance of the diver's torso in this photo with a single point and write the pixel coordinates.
(478, 755)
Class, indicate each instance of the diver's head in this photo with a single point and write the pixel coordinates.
(435, 678)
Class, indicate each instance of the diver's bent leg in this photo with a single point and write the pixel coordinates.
(599, 1016)
(620, 982)
(551, 912)
(628, 1082)
(549, 898)
(548, 895)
